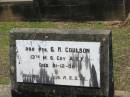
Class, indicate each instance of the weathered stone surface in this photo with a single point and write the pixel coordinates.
(14, 1)
(84, 9)
(5, 92)
(76, 10)
(106, 67)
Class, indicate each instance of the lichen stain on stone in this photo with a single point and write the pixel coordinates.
(56, 71)
(42, 77)
(93, 75)
(77, 64)
(18, 56)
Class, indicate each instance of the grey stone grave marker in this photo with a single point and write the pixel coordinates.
(14, 1)
(53, 62)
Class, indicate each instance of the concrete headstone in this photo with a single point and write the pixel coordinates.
(61, 62)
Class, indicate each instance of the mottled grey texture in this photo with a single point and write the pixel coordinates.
(15, 0)
(5, 92)
(103, 36)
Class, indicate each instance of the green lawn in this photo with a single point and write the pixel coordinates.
(121, 46)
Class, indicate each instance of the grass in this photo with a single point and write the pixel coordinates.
(121, 46)
(4, 79)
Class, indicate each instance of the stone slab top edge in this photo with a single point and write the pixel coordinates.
(15, 0)
(60, 31)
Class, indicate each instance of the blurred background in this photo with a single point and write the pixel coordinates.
(34, 10)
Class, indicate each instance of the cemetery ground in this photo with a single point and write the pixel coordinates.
(121, 48)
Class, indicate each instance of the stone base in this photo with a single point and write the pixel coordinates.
(5, 92)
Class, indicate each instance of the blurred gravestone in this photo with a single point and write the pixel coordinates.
(81, 10)
(9, 9)
(9, 1)
(61, 63)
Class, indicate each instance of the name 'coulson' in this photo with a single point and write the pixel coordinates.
(77, 50)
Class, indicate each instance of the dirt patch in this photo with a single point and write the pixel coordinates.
(122, 94)
(5, 91)
(118, 24)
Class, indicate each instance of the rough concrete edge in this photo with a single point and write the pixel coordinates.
(59, 31)
(118, 93)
